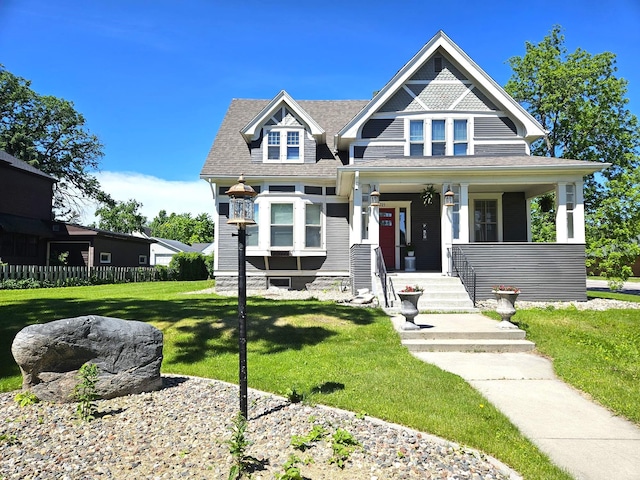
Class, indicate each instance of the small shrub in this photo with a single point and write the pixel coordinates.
(161, 273)
(26, 398)
(291, 470)
(85, 392)
(208, 260)
(187, 266)
(238, 444)
(294, 396)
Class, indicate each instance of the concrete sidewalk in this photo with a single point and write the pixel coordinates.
(578, 435)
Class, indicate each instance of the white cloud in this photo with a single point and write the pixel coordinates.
(154, 193)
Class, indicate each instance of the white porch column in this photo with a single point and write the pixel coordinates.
(578, 214)
(529, 234)
(374, 226)
(356, 214)
(464, 213)
(446, 232)
(561, 214)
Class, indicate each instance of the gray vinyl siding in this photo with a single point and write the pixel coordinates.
(227, 244)
(500, 149)
(494, 127)
(360, 267)
(337, 237)
(384, 128)
(378, 151)
(309, 148)
(514, 217)
(543, 271)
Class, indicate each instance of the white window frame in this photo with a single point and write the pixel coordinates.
(105, 257)
(142, 259)
(570, 205)
(320, 225)
(293, 225)
(472, 208)
(284, 146)
(427, 134)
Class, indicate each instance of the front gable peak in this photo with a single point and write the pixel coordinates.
(284, 110)
(466, 86)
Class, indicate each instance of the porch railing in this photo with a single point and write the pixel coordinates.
(385, 280)
(465, 271)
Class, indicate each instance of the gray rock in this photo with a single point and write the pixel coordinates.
(128, 355)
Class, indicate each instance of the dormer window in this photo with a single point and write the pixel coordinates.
(284, 145)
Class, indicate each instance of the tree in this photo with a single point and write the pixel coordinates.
(122, 217)
(50, 134)
(583, 107)
(183, 227)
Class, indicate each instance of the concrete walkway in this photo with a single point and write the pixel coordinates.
(578, 435)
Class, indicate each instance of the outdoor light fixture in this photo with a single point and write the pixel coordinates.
(241, 214)
(448, 198)
(375, 198)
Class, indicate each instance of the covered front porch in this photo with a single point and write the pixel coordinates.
(487, 223)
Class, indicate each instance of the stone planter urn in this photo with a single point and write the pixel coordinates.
(506, 306)
(409, 308)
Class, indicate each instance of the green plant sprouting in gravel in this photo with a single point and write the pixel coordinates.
(291, 469)
(304, 442)
(85, 392)
(343, 445)
(238, 444)
(9, 438)
(294, 396)
(26, 398)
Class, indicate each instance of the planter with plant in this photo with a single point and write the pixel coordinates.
(506, 296)
(409, 297)
(410, 249)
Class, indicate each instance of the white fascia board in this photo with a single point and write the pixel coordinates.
(251, 130)
(532, 127)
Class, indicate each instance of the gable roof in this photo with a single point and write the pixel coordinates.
(441, 42)
(230, 155)
(22, 165)
(175, 245)
(251, 131)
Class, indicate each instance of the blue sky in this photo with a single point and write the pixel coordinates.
(154, 78)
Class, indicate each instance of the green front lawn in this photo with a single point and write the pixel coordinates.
(336, 355)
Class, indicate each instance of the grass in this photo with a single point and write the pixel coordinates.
(335, 355)
(597, 352)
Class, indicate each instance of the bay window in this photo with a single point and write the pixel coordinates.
(281, 225)
(313, 225)
(460, 137)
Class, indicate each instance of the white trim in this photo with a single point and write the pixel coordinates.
(107, 258)
(283, 145)
(485, 196)
(396, 205)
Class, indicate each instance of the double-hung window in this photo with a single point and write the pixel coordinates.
(282, 225)
(438, 137)
(252, 230)
(313, 226)
(570, 204)
(416, 138)
(460, 141)
(284, 145)
(485, 217)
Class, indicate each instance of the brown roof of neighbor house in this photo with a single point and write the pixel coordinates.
(229, 155)
(21, 165)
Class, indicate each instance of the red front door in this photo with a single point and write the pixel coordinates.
(388, 237)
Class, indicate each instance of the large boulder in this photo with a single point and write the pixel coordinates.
(128, 355)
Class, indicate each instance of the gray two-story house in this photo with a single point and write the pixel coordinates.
(441, 124)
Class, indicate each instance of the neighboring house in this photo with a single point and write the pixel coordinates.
(205, 248)
(441, 123)
(26, 196)
(164, 249)
(93, 247)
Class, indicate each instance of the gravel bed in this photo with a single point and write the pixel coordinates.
(600, 304)
(181, 431)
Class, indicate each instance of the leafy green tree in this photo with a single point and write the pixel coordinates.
(123, 217)
(183, 227)
(50, 134)
(582, 105)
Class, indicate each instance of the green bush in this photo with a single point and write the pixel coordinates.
(162, 273)
(208, 260)
(188, 266)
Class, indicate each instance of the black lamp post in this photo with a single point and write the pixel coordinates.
(241, 214)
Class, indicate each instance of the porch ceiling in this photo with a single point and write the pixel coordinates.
(529, 190)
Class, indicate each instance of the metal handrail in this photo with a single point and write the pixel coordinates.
(465, 271)
(385, 280)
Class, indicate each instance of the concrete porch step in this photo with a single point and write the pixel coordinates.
(472, 345)
(460, 332)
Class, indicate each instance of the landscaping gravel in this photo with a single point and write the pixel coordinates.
(181, 431)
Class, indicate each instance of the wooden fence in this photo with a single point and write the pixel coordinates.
(60, 275)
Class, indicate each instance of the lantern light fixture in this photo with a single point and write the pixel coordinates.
(375, 197)
(241, 204)
(448, 198)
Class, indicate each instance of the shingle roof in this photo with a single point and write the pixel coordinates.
(21, 165)
(473, 161)
(230, 156)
